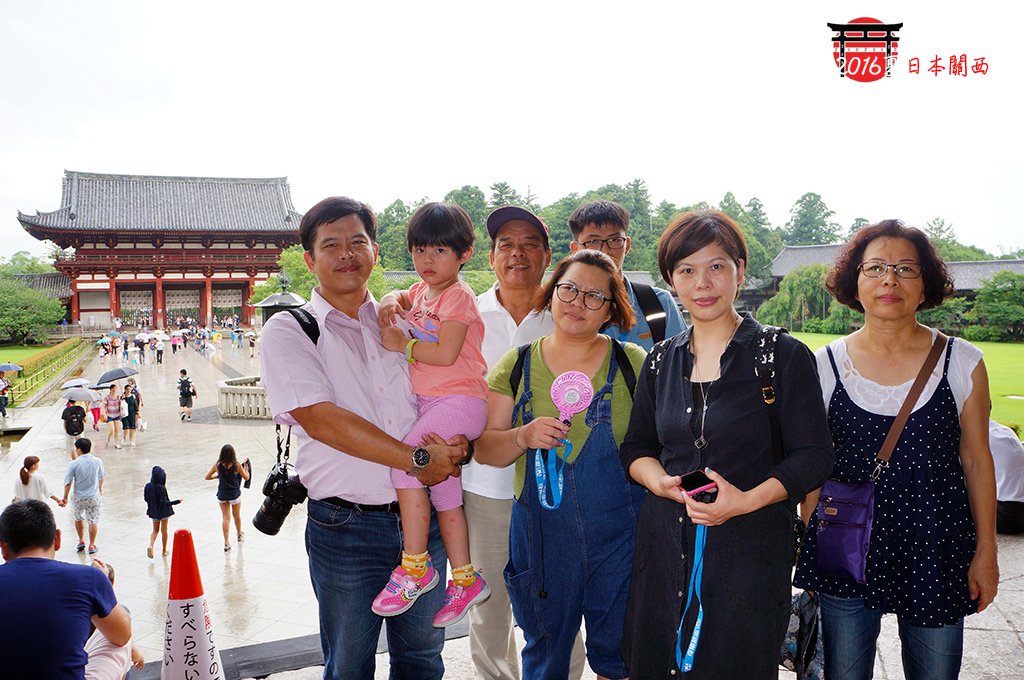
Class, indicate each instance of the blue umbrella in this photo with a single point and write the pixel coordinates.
(116, 374)
(10, 367)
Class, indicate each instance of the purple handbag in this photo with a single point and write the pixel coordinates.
(845, 514)
(846, 511)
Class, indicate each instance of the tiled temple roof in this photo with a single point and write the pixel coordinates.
(101, 202)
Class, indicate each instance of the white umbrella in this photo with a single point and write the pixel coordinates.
(250, 334)
(81, 394)
(75, 382)
(161, 336)
(178, 333)
(142, 336)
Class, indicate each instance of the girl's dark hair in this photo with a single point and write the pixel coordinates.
(441, 224)
(23, 472)
(842, 278)
(622, 314)
(227, 455)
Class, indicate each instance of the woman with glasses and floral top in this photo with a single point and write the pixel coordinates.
(932, 552)
(571, 537)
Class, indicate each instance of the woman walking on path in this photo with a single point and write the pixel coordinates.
(128, 422)
(112, 412)
(158, 508)
(96, 408)
(30, 483)
(229, 474)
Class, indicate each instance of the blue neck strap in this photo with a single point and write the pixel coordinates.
(550, 469)
(685, 663)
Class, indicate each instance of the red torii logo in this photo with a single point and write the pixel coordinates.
(864, 54)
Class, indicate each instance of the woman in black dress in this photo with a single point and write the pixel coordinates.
(699, 406)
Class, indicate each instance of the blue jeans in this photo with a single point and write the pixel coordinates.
(351, 555)
(851, 631)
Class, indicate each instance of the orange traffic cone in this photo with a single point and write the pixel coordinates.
(189, 649)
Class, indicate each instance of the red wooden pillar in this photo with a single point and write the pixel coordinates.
(247, 307)
(115, 307)
(75, 307)
(207, 312)
(158, 302)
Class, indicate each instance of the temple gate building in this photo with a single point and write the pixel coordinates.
(149, 249)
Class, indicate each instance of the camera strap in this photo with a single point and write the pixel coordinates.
(283, 452)
(685, 664)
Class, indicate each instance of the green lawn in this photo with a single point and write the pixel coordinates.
(16, 354)
(1005, 363)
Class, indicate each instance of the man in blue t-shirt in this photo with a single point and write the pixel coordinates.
(47, 605)
(603, 225)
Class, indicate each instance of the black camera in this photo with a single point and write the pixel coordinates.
(283, 490)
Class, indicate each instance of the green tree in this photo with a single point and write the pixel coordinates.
(301, 281)
(810, 222)
(22, 262)
(503, 194)
(758, 261)
(949, 317)
(26, 313)
(556, 216)
(943, 237)
(858, 224)
(474, 202)
(802, 295)
(1000, 304)
(391, 224)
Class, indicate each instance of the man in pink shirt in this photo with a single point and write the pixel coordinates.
(350, 402)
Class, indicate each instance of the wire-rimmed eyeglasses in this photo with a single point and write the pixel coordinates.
(876, 269)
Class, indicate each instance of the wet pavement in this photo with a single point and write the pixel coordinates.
(259, 591)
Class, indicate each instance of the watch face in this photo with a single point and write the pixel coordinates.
(421, 458)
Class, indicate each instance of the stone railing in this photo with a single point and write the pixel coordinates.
(243, 398)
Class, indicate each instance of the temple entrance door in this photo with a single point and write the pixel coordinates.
(182, 303)
(136, 308)
(227, 302)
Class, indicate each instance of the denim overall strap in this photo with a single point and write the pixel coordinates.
(524, 405)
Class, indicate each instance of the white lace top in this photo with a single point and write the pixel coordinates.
(886, 399)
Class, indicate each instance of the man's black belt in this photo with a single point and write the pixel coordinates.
(391, 507)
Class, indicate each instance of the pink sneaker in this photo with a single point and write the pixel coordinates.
(402, 591)
(458, 600)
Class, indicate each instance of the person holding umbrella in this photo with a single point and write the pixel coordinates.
(112, 410)
(74, 420)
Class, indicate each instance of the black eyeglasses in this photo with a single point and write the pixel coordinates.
(876, 269)
(613, 243)
(592, 299)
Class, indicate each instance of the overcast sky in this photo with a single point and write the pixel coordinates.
(383, 100)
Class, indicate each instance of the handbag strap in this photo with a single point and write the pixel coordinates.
(882, 459)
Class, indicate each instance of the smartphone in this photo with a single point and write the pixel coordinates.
(699, 486)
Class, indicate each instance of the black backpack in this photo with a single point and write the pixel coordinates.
(184, 386)
(74, 420)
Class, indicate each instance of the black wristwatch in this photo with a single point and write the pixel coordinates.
(420, 460)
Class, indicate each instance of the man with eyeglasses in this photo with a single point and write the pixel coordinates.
(602, 225)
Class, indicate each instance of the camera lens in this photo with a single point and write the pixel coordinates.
(271, 515)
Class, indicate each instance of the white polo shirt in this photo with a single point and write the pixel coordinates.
(500, 335)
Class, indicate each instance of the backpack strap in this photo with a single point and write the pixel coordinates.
(628, 374)
(626, 368)
(308, 323)
(516, 376)
(765, 342)
(652, 310)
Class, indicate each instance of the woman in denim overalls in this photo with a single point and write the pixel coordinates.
(570, 553)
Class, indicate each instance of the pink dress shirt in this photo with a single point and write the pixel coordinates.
(348, 367)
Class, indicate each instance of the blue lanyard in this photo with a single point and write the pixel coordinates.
(696, 575)
(555, 471)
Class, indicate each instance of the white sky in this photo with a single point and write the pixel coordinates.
(393, 100)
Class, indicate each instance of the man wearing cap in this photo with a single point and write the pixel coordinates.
(602, 225)
(520, 254)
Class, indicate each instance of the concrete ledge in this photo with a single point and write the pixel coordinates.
(243, 398)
